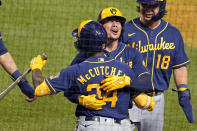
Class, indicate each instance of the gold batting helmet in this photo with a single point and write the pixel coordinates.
(109, 13)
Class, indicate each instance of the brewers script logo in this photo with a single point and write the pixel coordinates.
(160, 45)
(113, 11)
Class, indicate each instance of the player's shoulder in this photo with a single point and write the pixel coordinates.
(70, 69)
(170, 27)
(131, 23)
(120, 64)
(132, 27)
(131, 51)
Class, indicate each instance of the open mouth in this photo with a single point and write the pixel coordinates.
(114, 31)
(148, 15)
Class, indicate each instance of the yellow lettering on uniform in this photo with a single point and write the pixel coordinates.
(87, 76)
(144, 49)
(139, 45)
(90, 71)
(162, 43)
(102, 69)
(106, 70)
(133, 45)
(121, 59)
(97, 72)
(167, 46)
(119, 72)
(172, 46)
(81, 79)
(157, 47)
(130, 64)
(113, 71)
(151, 47)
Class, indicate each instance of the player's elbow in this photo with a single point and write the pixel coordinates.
(143, 83)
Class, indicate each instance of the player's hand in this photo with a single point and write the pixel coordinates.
(184, 101)
(31, 99)
(144, 101)
(90, 102)
(37, 63)
(113, 82)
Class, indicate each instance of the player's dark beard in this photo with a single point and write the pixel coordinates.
(110, 40)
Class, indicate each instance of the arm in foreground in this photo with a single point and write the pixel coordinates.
(41, 88)
(139, 85)
(184, 96)
(85, 99)
(10, 67)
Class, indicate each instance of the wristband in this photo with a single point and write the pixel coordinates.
(16, 74)
(182, 86)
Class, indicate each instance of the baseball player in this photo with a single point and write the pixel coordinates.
(10, 67)
(162, 48)
(110, 104)
(113, 21)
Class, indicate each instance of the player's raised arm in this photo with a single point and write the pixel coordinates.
(11, 68)
(36, 66)
(41, 88)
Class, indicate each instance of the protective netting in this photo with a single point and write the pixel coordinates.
(31, 27)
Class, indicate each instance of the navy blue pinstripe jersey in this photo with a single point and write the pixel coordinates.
(162, 49)
(87, 76)
(3, 49)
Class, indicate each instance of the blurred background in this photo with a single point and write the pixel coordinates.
(31, 27)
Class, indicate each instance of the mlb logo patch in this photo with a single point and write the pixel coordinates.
(101, 59)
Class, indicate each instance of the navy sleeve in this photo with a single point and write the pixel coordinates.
(142, 83)
(62, 81)
(3, 49)
(180, 59)
(73, 93)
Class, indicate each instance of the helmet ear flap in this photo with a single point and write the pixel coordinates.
(76, 45)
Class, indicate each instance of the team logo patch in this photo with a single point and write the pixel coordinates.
(113, 11)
